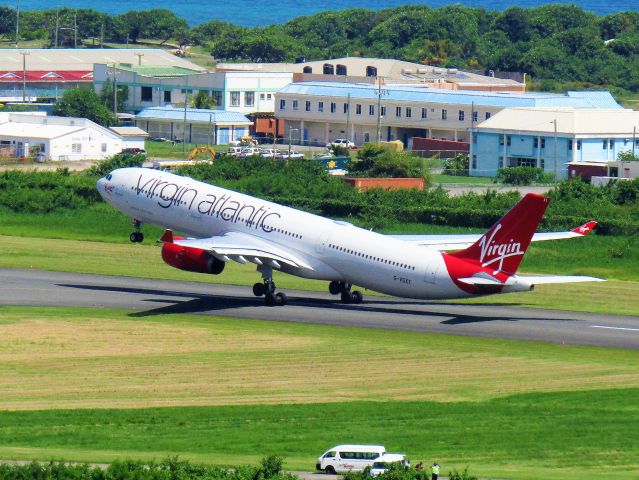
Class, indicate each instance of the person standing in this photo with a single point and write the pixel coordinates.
(434, 471)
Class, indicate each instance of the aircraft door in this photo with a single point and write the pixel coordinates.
(322, 242)
(431, 272)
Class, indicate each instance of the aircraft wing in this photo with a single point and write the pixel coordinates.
(526, 280)
(459, 242)
(242, 248)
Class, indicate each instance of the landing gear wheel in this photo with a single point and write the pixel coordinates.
(136, 237)
(269, 299)
(335, 287)
(281, 299)
(347, 297)
(357, 297)
(259, 289)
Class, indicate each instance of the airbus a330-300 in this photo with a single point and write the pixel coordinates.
(223, 226)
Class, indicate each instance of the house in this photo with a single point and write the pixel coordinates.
(132, 137)
(211, 127)
(562, 141)
(55, 138)
(324, 111)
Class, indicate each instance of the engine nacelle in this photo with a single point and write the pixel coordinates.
(191, 259)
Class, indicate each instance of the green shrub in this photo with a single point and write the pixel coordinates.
(121, 160)
(455, 475)
(521, 175)
(457, 165)
(376, 161)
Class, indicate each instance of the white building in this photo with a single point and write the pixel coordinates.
(132, 137)
(242, 91)
(324, 111)
(56, 138)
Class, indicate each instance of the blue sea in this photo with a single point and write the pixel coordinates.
(253, 13)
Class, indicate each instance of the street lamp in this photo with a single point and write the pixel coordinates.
(139, 55)
(380, 92)
(24, 75)
(290, 130)
(17, 22)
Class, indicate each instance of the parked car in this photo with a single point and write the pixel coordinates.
(250, 151)
(270, 153)
(340, 142)
(235, 151)
(133, 151)
(294, 154)
(382, 463)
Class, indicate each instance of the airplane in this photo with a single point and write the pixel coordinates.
(223, 226)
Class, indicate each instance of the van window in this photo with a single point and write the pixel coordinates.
(329, 454)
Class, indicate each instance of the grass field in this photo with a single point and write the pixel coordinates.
(485, 403)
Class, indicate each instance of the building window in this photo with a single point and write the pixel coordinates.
(147, 94)
(444, 114)
(268, 96)
(333, 107)
(543, 142)
(282, 104)
(320, 106)
(371, 71)
(487, 115)
(604, 145)
(508, 140)
(398, 111)
(328, 69)
(501, 140)
(308, 106)
(535, 142)
(358, 109)
(424, 113)
(371, 109)
(382, 111)
(249, 99)
(341, 70)
(409, 112)
(578, 144)
(296, 105)
(569, 144)
(262, 96)
(167, 96)
(307, 70)
(76, 148)
(475, 116)
(235, 99)
(462, 115)
(474, 167)
(542, 163)
(104, 148)
(346, 108)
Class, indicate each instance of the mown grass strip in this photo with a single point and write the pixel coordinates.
(523, 436)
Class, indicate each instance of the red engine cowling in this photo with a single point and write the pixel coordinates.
(191, 259)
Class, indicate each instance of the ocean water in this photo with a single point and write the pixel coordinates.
(252, 13)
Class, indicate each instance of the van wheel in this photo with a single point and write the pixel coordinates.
(329, 470)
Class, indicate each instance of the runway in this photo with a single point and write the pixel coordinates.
(144, 297)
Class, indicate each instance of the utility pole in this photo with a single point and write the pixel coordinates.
(115, 92)
(139, 55)
(17, 22)
(554, 147)
(57, 26)
(102, 35)
(348, 117)
(378, 138)
(75, 30)
(24, 75)
(186, 101)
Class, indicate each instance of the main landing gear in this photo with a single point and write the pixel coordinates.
(137, 236)
(344, 290)
(267, 288)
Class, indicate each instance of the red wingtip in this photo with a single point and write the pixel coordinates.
(585, 229)
(167, 237)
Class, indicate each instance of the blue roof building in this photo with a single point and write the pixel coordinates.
(322, 110)
(193, 125)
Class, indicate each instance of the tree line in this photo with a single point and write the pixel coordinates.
(552, 43)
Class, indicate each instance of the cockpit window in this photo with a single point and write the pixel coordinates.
(109, 176)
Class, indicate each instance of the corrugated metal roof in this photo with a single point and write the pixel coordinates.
(193, 115)
(600, 99)
(569, 121)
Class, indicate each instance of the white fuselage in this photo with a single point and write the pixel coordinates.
(334, 250)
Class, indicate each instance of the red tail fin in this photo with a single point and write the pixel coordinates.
(503, 246)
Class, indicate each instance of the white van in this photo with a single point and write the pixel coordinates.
(382, 463)
(347, 458)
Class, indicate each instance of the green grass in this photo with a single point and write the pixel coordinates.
(179, 150)
(234, 392)
(442, 179)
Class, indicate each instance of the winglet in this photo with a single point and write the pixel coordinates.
(167, 236)
(584, 229)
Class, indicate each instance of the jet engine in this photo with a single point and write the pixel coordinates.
(191, 259)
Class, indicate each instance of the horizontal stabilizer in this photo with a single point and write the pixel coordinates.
(480, 281)
(540, 280)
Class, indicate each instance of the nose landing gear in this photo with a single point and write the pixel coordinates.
(137, 236)
(344, 290)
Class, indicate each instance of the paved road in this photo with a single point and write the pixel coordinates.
(146, 297)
